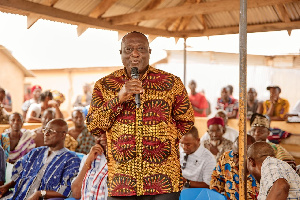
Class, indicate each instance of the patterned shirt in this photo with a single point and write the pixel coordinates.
(226, 145)
(85, 141)
(282, 154)
(57, 176)
(273, 169)
(225, 178)
(229, 106)
(199, 101)
(281, 107)
(141, 141)
(94, 183)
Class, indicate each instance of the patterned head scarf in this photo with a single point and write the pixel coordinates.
(57, 96)
(259, 120)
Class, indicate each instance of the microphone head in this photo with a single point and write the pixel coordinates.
(134, 72)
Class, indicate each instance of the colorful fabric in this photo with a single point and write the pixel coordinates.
(94, 183)
(225, 145)
(273, 169)
(199, 101)
(57, 176)
(259, 121)
(25, 144)
(199, 165)
(85, 141)
(229, 106)
(281, 107)
(282, 154)
(58, 96)
(225, 179)
(141, 141)
(2, 164)
(70, 143)
(277, 135)
(215, 120)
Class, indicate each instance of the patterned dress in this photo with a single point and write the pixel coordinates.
(85, 141)
(225, 179)
(143, 143)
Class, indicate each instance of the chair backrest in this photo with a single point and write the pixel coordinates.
(200, 194)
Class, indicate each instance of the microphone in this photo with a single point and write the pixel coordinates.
(135, 75)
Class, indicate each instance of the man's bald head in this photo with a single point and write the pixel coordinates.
(259, 150)
(60, 123)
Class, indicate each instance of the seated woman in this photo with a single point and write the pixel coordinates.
(91, 180)
(16, 141)
(216, 143)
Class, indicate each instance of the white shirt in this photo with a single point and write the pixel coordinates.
(273, 169)
(296, 111)
(36, 107)
(230, 134)
(199, 165)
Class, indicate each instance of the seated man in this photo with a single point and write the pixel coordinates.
(80, 133)
(197, 163)
(197, 100)
(36, 93)
(45, 172)
(225, 177)
(2, 166)
(276, 108)
(38, 135)
(227, 103)
(16, 141)
(230, 133)
(91, 180)
(216, 143)
(277, 179)
(260, 126)
(253, 105)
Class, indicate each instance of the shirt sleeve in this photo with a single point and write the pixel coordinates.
(103, 110)
(217, 182)
(182, 110)
(285, 109)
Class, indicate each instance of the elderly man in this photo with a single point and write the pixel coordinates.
(198, 100)
(142, 136)
(38, 136)
(277, 179)
(80, 133)
(260, 126)
(230, 133)
(46, 172)
(225, 177)
(16, 141)
(227, 103)
(216, 143)
(197, 163)
(276, 107)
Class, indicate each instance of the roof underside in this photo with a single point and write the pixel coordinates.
(169, 18)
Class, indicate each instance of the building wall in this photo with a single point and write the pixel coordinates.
(12, 80)
(68, 81)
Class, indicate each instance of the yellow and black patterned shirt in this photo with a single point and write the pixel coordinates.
(142, 144)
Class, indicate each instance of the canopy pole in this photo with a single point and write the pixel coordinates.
(243, 101)
(184, 62)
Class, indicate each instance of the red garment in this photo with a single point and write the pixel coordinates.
(198, 100)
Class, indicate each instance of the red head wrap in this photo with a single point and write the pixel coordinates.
(35, 87)
(215, 120)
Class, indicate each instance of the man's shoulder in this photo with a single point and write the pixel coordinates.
(205, 153)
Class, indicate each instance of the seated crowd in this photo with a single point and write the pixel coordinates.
(46, 161)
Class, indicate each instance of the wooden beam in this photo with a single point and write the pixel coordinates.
(187, 9)
(282, 14)
(184, 23)
(101, 8)
(153, 4)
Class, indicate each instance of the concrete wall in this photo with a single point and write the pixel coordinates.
(12, 80)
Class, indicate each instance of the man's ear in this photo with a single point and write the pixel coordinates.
(120, 51)
(252, 162)
(150, 51)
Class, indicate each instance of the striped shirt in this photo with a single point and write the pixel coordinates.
(94, 183)
(273, 169)
(199, 165)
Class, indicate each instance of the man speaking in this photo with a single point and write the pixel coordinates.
(142, 140)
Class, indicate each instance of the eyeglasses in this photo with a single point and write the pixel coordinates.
(184, 161)
(129, 50)
(50, 131)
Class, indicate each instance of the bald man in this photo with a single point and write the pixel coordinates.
(45, 172)
(278, 180)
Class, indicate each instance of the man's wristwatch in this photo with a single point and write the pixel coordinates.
(187, 183)
(43, 193)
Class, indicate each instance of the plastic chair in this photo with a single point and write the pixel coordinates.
(200, 194)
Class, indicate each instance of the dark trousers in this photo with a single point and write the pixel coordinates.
(169, 196)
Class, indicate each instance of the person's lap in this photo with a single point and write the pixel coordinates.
(173, 196)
